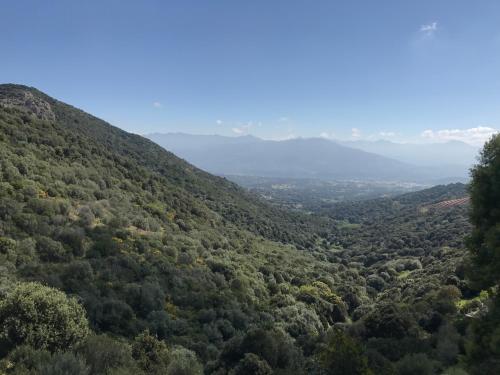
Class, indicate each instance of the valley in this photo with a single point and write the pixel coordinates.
(178, 271)
(304, 194)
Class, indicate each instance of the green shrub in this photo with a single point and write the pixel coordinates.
(42, 317)
(104, 354)
(183, 362)
(252, 364)
(416, 364)
(150, 354)
(342, 355)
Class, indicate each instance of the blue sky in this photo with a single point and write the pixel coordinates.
(403, 70)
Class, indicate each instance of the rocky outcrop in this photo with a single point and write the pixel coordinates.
(25, 100)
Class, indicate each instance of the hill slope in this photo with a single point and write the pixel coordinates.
(136, 156)
(144, 239)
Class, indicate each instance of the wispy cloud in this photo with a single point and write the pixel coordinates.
(238, 130)
(387, 134)
(355, 133)
(218, 122)
(157, 105)
(243, 129)
(474, 136)
(286, 137)
(429, 29)
(283, 119)
(327, 135)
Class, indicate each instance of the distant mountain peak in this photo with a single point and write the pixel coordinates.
(294, 158)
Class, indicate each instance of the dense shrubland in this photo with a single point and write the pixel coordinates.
(152, 266)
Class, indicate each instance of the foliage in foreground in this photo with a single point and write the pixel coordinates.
(484, 246)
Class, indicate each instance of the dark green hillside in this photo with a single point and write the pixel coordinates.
(142, 161)
(116, 257)
(146, 242)
(407, 221)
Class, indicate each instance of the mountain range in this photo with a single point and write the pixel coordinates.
(319, 158)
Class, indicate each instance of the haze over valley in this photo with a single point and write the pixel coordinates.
(387, 167)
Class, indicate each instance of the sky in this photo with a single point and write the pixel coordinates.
(419, 71)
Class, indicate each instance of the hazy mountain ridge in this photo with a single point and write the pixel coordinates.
(451, 153)
(297, 158)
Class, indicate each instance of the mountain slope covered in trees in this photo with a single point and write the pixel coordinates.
(149, 265)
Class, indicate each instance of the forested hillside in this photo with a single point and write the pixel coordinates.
(117, 257)
(85, 141)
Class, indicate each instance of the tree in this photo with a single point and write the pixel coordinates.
(63, 364)
(273, 346)
(150, 353)
(483, 351)
(342, 355)
(105, 355)
(6, 245)
(252, 364)
(42, 317)
(327, 304)
(447, 347)
(184, 362)
(388, 320)
(484, 242)
(416, 364)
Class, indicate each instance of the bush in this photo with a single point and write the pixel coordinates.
(342, 355)
(388, 321)
(64, 364)
(50, 250)
(6, 245)
(416, 364)
(252, 364)
(23, 360)
(274, 346)
(327, 304)
(150, 354)
(103, 354)
(42, 317)
(184, 362)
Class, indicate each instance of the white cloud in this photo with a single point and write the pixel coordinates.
(429, 30)
(387, 134)
(355, 133)
(157, 105)
(218, 122)
(286, 137)
(243, 129)
(283, 119)
(238, 130)
(474, 136)
(327, 135)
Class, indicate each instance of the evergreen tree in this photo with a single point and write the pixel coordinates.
(484, 246)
